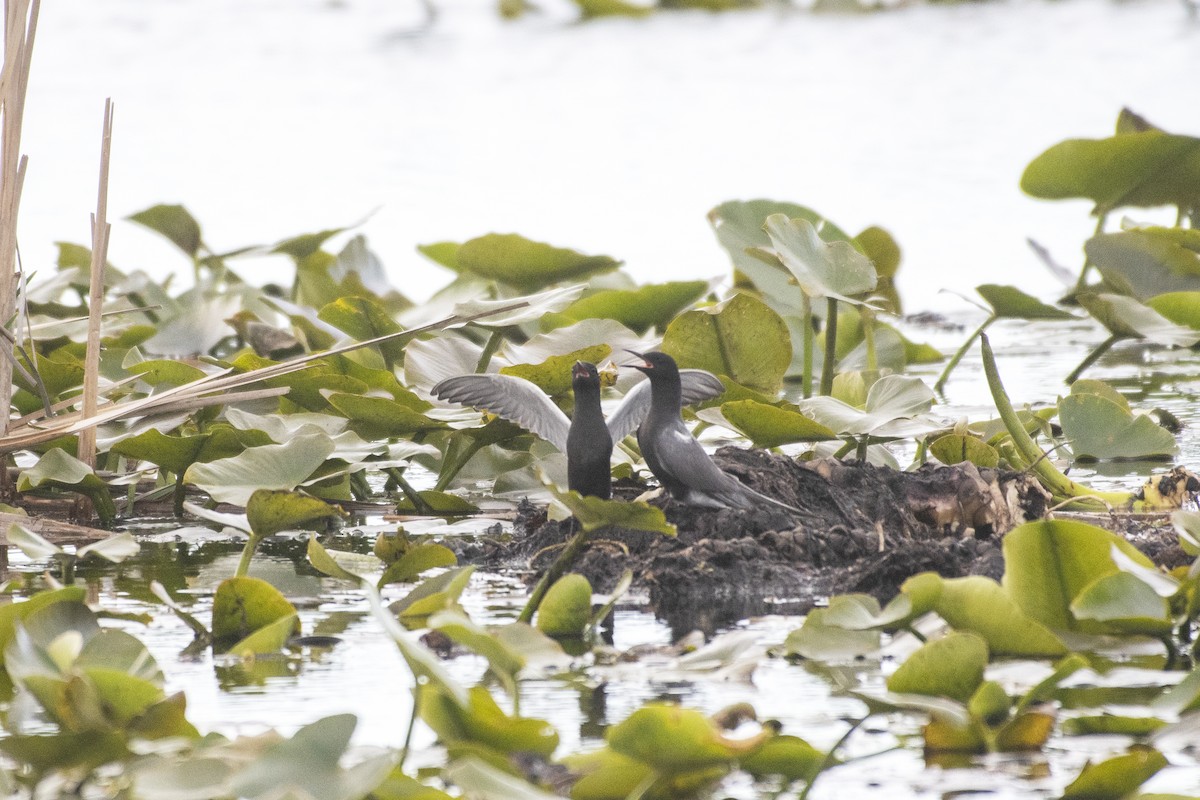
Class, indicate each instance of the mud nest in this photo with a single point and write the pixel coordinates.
(862, 529)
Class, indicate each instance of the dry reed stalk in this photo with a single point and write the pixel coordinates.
(100, 231)
(20, 25)
(222, 381)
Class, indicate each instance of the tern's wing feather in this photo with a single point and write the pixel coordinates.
(698, 385)
(515, 399)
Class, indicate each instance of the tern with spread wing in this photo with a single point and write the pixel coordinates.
(673, 454)
(586, 438)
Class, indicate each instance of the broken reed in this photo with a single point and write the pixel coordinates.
(20, 25)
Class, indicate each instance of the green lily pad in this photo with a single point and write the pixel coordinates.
(594, 513)
(270, 512)
(948, 667)
(1115, 778)
(1126, 317)
(1146, 262)
(896, 407)
(363, 318)
(525, 264)
(981, 606)
(268, 639)
(787, 756)
(640, 309)
(277, 466)
(1125, 603)
(822, 268)
(482, 721)
(741, 338)
(770, 426)
(164, 372)
(244, 605)
(175, 223)
(1145, 169)
(1009, 302)
(417, 559)
(1182, 308)
(565, 609)
(817, 640)
(1049, 562)
(432, 595)
(673, 740)
(553, 376)
(1099, 428)
(61, 470)
(955, 448)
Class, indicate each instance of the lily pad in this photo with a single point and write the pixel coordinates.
(1117, 777)
(672, 739)
(948, 667)
(244, 605)
(1144, 169)
(823, 269)
(278, 466)
(770, 426)
(175, 223)
(1126, 317)
(640, 309)
(270, 512)
(565, 609)
(1009, 302)
(1147, 262)
(526, 264)
(1099, 428)
(741, 338)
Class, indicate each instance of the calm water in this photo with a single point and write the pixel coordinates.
(274, 118)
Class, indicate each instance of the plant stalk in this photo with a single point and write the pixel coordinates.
(247, 554)
(806, 321)
(559, 568)
(1058, 484)
(1093, 357)
(830, 347)
(958, 355)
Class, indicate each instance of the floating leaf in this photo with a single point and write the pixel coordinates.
(553, 376)
(482, 721)
(594, 513)
(483, 781)
(1009, 302)
(640, 309)
(981, 606)
(1125, 603)
(1146, 262)
(948, 667)
(418, 559)
(565, 609)
(1145, 169)
(1099, 428)
(820, 641)
(244, 605)
(1115, 778)
(672, 739)
(741, 338)
(526, 264)
(770, 426)
(956, 448)
(270, 512)
(363, 319)
(280, 466)
(896, 407)
(1049, 562)
(1126, 317)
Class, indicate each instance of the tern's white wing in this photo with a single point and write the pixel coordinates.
(515, 399)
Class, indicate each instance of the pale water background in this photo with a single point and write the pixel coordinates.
(268, 119)
(272, 118)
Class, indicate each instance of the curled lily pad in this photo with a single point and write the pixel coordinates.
(896, 407)
(1126, 317)
(1146, 262)
(1117, 777)
(175, 223)
(1145, 169)
(741, 338)
(1100, 428)
(244, 605)
(270, 512)
(820, 641)
(278, 466)
(948, 667)
(565, 609)
(526, 264)
(640, 309)
(821, 268)
(672, 739)
(59, 469)
(956, 448)
(770, 426)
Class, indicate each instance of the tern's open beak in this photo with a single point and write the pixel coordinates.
(645, 365)
(578, 370)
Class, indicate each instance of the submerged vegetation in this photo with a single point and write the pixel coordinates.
(264, 411)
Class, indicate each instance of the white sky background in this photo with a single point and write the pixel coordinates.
(279, 117)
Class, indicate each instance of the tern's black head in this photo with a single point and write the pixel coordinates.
(656, 364)
(584, 374)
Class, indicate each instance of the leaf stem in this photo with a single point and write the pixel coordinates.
(489, 349)
(806, 321)
(1093, 356)
(559, 568)
(414, 497)
(1081, 284)
(247, 554)
(962, 351)
(830, 347)
(830, 758)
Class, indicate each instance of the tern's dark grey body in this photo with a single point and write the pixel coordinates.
(674, 455)
(586, 439)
